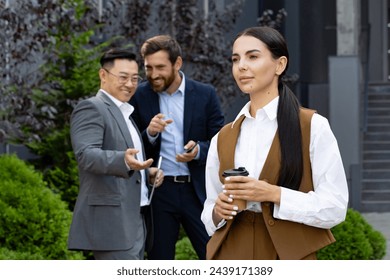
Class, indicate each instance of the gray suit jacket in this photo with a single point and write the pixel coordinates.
(107, 211)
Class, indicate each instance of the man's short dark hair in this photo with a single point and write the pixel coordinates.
(109, 56)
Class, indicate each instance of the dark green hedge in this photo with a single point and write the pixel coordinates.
(184, 250)
(355, 240)
(6, 254)
(34, 222)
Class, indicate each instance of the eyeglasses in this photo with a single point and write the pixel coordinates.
(124, 79)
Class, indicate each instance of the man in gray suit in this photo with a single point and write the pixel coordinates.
(111, 212)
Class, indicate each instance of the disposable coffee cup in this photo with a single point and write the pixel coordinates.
(241, 171)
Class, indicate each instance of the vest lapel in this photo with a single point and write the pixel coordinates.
(226, 159)
(226, 153)
(227, 149)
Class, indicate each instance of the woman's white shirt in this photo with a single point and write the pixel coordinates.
(324, 207)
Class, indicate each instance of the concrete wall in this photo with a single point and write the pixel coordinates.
(318, 98)
(344, 106)
(378, 41)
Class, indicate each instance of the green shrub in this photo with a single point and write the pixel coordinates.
(355, 240)
(378, 243)
(184, 250)
(33, 220)
(65, 180)
(6, 254)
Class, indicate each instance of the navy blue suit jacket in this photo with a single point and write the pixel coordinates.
(203, 118)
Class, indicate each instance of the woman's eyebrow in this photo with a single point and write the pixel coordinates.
(247, 52)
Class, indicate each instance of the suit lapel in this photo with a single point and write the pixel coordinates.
(139, 135)
(118, 117)
(189, 107)
(154, 102)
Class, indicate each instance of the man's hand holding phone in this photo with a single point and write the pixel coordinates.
(190, 151)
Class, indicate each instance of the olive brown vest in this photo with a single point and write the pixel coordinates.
(292, 241)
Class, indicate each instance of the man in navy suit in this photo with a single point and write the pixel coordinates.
(177, 118)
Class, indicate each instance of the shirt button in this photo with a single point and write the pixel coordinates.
(271, 222)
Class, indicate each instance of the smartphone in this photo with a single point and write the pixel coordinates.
(190, 149)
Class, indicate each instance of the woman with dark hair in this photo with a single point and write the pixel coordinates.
(296, 189)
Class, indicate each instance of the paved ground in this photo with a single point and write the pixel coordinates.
(381, 222)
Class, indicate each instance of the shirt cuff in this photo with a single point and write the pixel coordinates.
(152, 139)
(127, 166)
(130, 171)
(220, 224)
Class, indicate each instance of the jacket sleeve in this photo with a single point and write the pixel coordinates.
(88, 129)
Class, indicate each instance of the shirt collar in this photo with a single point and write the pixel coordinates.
(270, 110)
(183, 83)
(181, 88)
(123, 106)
